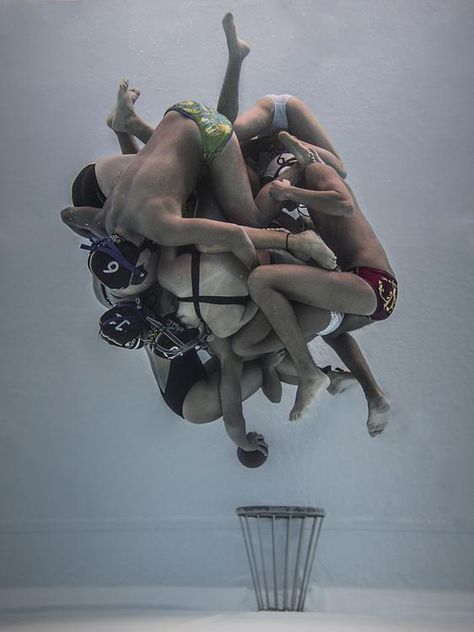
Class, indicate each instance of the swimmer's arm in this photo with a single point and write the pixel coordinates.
(262, 238)
(164, 226)
(230, 391)
(84, 220)
(332, 197)
(332, 161)
(254, 121)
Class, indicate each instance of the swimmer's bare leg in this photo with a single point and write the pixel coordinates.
(350, 353)
(303, 152)
(203, 403)
(128, 143)
(231, 185)
(340, 380)
(255, 121)
(125, 119)
(303, 124)
(306, 153)
(271, 288)
(257, 337)
(228, 103)
(280, 313)
(271, 385)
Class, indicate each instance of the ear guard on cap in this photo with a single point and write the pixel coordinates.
(125, 325)
(169, 339)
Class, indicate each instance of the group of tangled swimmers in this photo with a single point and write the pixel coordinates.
(198, 242)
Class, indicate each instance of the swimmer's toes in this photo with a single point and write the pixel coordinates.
(134, 94)
(295, 414)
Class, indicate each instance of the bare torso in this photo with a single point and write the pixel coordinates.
(110, 169)
(352, 239)
(164, 171)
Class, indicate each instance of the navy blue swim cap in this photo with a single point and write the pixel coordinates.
(113, 261)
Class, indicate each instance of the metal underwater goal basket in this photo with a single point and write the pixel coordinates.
(281, 546)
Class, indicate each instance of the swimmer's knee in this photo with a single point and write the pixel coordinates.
(257, 281)
(238, 346)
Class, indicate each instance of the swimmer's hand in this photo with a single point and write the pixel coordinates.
(280, 190)
(309, 245)
(254, 442)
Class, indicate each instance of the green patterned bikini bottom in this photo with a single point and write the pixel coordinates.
(215, 128)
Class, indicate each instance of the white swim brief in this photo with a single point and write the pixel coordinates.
(280, 119)
(336, 320)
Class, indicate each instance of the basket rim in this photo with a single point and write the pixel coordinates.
(280, 511)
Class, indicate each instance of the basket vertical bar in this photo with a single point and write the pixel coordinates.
(262, 561)
(313, 543)
(275, 589)
(251, 558)
(297, 564)
(287, 555)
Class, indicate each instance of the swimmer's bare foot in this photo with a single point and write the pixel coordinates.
(309, 388)
(271, 385)
(340, 381)
(238, 49)
(379, 414)
(310, 245)
(119, 118)
(303, 154)
(134, 93)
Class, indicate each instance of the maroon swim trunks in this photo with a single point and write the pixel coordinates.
(385, 287)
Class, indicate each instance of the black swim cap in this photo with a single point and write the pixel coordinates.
(113, 261)
(125, 325)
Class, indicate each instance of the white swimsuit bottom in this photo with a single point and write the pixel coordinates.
(336, 320)
(280, 119)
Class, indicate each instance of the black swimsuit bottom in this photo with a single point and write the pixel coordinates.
(86, 190)
(184, 372)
